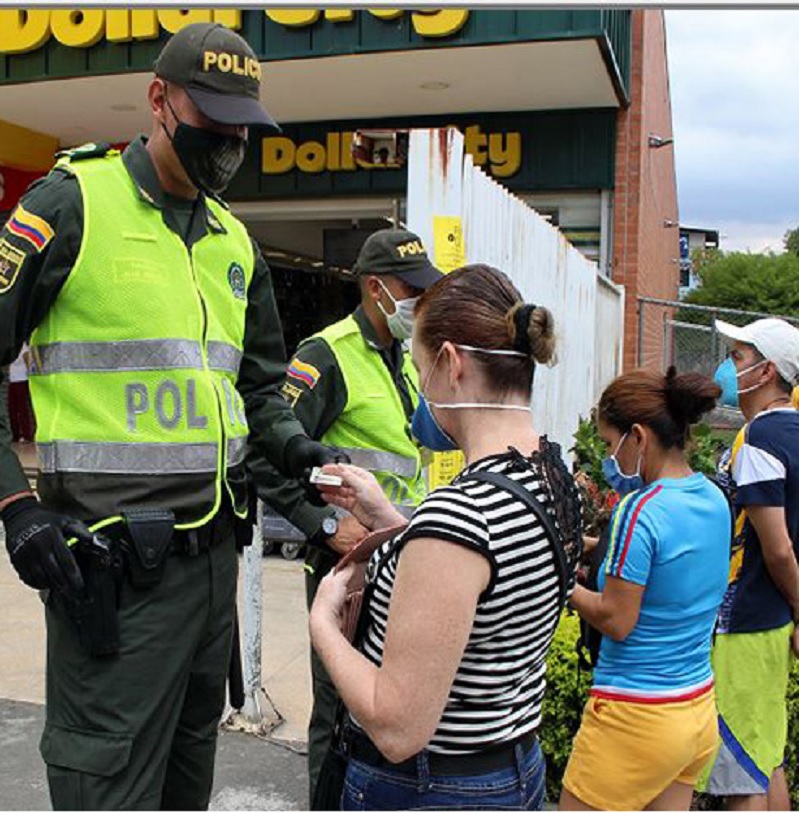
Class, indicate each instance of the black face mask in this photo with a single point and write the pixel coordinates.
(210, 159)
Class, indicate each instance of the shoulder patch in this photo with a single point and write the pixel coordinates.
(11, 260)
(90, 150)
(304, 372)
(30, 227)
(291, 393)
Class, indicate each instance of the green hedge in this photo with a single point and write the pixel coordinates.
(566, 697)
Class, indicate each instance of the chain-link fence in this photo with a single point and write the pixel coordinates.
(685, 335)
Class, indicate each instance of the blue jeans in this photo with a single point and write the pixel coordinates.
(518, 788)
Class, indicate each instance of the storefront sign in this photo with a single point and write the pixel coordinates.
(23, 30)
(500, 153)
(527, 152)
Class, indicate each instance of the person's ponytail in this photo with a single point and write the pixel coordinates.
(689, 396)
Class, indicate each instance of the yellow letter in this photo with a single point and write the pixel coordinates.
(439, 23)
(277, 155)
(143, 24)
(117, 25)
(311, 157)
(209, 58)
(385, 13)
(506, 159)
(78, 28)
(173, 20)
(293, 17)
(474, 142)
(22, 31)
(339, 15)
(228, 17)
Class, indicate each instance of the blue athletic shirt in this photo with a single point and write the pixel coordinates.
(765, 471)
(673, 538)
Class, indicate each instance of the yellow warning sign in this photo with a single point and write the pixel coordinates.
(444, 467)
(448, 242)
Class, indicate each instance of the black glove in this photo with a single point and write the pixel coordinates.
(36, 542)
(302, 454)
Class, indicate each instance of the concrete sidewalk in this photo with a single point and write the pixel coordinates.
(252, 773)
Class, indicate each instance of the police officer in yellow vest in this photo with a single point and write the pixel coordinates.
(353, 386)
(158, 354)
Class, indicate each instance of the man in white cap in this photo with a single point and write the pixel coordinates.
(757, 626)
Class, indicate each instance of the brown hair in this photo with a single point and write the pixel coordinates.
(479, 306)
(668, 404)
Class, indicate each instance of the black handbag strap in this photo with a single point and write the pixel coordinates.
(521, 493)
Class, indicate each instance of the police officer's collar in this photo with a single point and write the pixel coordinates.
(142, 172)
(368, 332)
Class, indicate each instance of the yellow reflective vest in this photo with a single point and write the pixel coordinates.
(135, 364)
(373, 428)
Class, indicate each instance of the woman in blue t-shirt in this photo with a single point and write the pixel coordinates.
(649, 726)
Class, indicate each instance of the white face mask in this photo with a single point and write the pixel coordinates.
(476, 404)
(400, 323)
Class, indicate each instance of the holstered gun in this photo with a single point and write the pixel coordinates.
(94, 610)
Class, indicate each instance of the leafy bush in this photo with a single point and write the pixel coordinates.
(598, 499)
(792, 751)
(567, 692)
(705, 448)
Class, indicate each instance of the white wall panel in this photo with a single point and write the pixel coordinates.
(502, 231)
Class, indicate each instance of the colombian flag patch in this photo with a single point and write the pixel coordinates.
(30, 227)
(306, 373)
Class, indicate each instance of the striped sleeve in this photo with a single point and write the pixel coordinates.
(759, 470)
(451, 514)
(632, 544)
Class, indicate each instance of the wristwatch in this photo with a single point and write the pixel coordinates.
(329, 526)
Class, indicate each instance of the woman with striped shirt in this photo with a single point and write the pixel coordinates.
(444, 693)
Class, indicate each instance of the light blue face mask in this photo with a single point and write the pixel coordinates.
(619, 481)
(726, 376)
(424, 426)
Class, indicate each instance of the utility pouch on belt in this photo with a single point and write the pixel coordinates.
(95, 610)
(147, 544)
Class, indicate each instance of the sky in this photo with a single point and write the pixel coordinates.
(734, 78)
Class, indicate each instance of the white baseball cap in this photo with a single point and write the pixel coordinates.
(775, 340)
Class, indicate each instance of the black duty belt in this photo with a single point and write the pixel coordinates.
(495, 758)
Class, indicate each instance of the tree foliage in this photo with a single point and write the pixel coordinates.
(791, 241)
(753, 282)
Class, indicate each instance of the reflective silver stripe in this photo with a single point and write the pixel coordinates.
(382, 461)
(236, 451)
(145, 354)
(127, 458)
(224, 357)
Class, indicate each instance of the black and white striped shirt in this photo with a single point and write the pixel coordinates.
(499, 686)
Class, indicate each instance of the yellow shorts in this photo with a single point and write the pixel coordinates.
(626, 754)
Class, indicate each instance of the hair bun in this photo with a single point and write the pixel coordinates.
(689, 395)
(518, 322)
(532, 331)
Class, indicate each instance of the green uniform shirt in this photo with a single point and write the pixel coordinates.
(31, 277)
(318, 408)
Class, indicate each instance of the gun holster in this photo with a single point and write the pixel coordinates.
(94, 610)
(146, 545)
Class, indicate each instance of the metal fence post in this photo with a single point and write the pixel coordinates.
(251, 638)
(641, 306)
(251, 717)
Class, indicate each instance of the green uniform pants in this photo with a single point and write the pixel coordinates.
(325, 697)
(138, 731)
